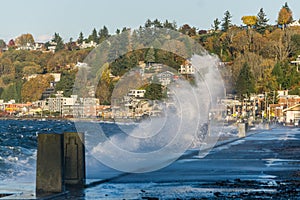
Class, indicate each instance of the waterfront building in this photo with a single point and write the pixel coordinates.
(62, 105)
(292, 115)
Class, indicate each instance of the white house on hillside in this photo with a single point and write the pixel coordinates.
(294, 23)
(187, 69)
(137, 93)
(85, 45)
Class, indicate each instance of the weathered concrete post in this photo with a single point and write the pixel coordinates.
(74, 159)
(267, 125)
(49, 167)
(242, 129)
(60, 161)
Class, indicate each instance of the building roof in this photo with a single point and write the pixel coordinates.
(293, 108)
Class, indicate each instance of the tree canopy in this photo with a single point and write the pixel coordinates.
(285, 16)
(58, 41)
(262, 21)
(245, 83)
(249, 20)
(24, 40)
(226, 21)
(262, 54)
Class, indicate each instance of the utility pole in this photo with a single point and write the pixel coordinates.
(266, 104)
(253, 108)
(296, 62)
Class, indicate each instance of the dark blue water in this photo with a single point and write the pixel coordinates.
(18, 144)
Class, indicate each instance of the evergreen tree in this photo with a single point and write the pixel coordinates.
(289, 11)
(226, 21)
(66, 83)
(216, 25)
(286, 75)
(278, 73)
(286, 7)
(154, 92)
(245, 83)
(169, 25)
(157, 24)
(103, 34)
(80, 38)
(18, 85)
(150, 56)
(261, 21)
(148, 23)
(124, 29)
(296, 43)
(59, 42)
(94, 36)
(1, 91)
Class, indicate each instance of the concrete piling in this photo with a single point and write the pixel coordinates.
(74, 159)
(49, 173)
(267, 126)
(60, 161)
(242, 129)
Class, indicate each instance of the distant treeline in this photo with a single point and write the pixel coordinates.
(256, 57)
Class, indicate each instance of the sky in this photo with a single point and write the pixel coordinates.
(42, 18)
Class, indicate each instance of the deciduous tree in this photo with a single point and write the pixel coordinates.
(24, 40)
(11, 43)
(2, 44)
(10, 92)
(267, 82)
(249, 20)
(240, 42)
(285, 16)
(280, 44)
(32, 69)
(6, 67)
(186, 29)
(32, 90)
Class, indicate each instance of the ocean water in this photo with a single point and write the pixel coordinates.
(18, 142)
(18, 145)
(18, 148)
